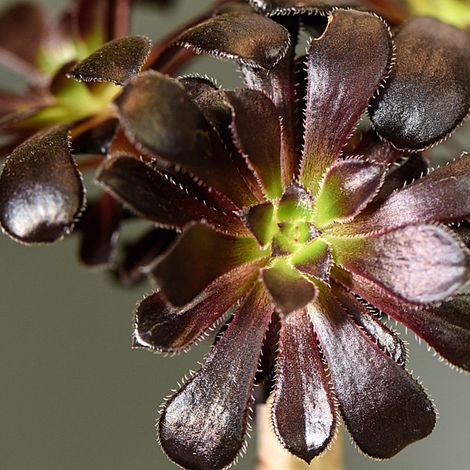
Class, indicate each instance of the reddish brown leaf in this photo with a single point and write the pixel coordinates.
(428, 92)
(179, 137)
(343, 76)
(200, 256)
(304, 414)
(22, 30)
(254, 115)
(117, 61)
(441, 196)
(203, 425)
(168, 329)
(348, 187)
(248, 38)
(446, 327)
(418, 263)
(371, 388)
(100, 231)
(386, 339)
(288, 289)
(151, 195)
(41, 191)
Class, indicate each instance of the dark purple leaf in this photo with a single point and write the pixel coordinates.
(256, 131)
(248, 38)
(41, 191)
(111, 17)
(418, 263)
(342, 77)
(150, 194)
(141, 253)
(279, 84)
(384, 337)
(288, 289)
(384, 408)
(401, 174)
(212, 102)
(96, 140)
(347, 188)
(446, 327)
(179, 135)
(259, 220)
(304, 414)
(203, 426)
(200, 256)
(441, 196)
(100, 231)
(164, 328)
(428, 92)
(117, 18)
(89, 17)
(375, 150)
(117, 61)
(267, 362)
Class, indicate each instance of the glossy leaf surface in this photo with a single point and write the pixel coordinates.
(155, 197)
(315, 259)
(279, 84)
(180, 137)
(303, 412)
(371, 388)
(203, 426)
(428, 92)
(41, 191)
(288, 289)
(446, 327)
(342, 77)
(100, 231)
(200, 256)
(248, 38)
(348, 186)
(254, 115)
(386, 339)
(418, 263)
(441, 196)
(164, 328)
(259, 220)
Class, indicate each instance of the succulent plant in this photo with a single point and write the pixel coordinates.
(295, 240)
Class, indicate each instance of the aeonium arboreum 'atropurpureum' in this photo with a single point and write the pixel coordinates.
(294, 238)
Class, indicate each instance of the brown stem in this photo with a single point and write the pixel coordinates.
(392, 10)
(271, 455)
(118, 16)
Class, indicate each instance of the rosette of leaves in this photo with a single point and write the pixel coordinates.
(290, 240)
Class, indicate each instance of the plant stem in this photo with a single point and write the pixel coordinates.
(271, 455)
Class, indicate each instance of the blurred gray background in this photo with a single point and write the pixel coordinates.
(74, 396)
